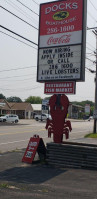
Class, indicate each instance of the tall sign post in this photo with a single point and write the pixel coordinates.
(95, 112)
(61, 52)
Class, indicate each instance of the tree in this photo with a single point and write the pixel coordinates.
(2, 96)
(83, 103)
(34, 100)
(14, 99)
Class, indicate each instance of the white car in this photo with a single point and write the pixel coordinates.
(90, 118)
(9, 118)
(42, 117)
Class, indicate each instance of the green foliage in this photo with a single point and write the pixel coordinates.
(83, 103)
(2, 96)
(34, 100)
(4, 185)
(91, 135)
(14, 99)
(92, 110)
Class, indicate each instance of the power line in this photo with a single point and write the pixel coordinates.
(16, 76)
(35, 2)
(17, 40)
(93, 5)
(14, 6)
(90, 45)
(89, 49)
(91, 28)
(91, 54)
(18, 35)
(21, 89)
(92, 71)
(21, 80)
(38, 3)
(27, 7)
(90, 60)
(18, 17)
(91, 16)
(16, 69)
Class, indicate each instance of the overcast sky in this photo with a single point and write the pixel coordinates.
(18, 61)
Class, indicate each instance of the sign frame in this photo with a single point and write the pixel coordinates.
(82, 43)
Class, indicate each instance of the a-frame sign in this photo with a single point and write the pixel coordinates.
(35, 144)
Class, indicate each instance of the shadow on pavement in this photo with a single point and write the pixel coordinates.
(30, 174)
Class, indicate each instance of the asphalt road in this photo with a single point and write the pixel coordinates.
(16, 136)
(20, 180)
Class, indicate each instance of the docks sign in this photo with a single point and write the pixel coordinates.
(61, 48)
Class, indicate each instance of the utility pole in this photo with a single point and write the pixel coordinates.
(95, 119)
(94, 30)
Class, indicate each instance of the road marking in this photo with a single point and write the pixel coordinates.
(89, 130)
(22, 132)
(21, 127)
(5, 143)
(13, 142)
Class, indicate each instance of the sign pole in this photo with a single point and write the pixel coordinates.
(95, 120)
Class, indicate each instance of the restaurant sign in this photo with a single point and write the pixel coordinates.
(61, 48)
(59, 88)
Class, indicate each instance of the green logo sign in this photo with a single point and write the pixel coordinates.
(60, 15)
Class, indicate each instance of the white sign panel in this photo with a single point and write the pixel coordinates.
(60, 63)
(45, 102)
(95, 114)
(87, 108)
(61, 39)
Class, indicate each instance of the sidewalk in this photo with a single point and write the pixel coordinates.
(39, 181)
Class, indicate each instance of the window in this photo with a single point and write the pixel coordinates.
(31, 113)
(23, 113)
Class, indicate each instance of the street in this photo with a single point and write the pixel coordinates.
(16, 136)
(21, 180)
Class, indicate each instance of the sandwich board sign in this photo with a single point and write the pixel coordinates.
(35, 144)
(62, 39)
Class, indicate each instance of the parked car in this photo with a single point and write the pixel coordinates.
(9, 118)
(42, 117)
(90, 118)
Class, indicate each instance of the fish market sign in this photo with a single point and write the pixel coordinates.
(61, 49)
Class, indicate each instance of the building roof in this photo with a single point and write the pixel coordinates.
(19, 106)
(36, 107)
(4, 104)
